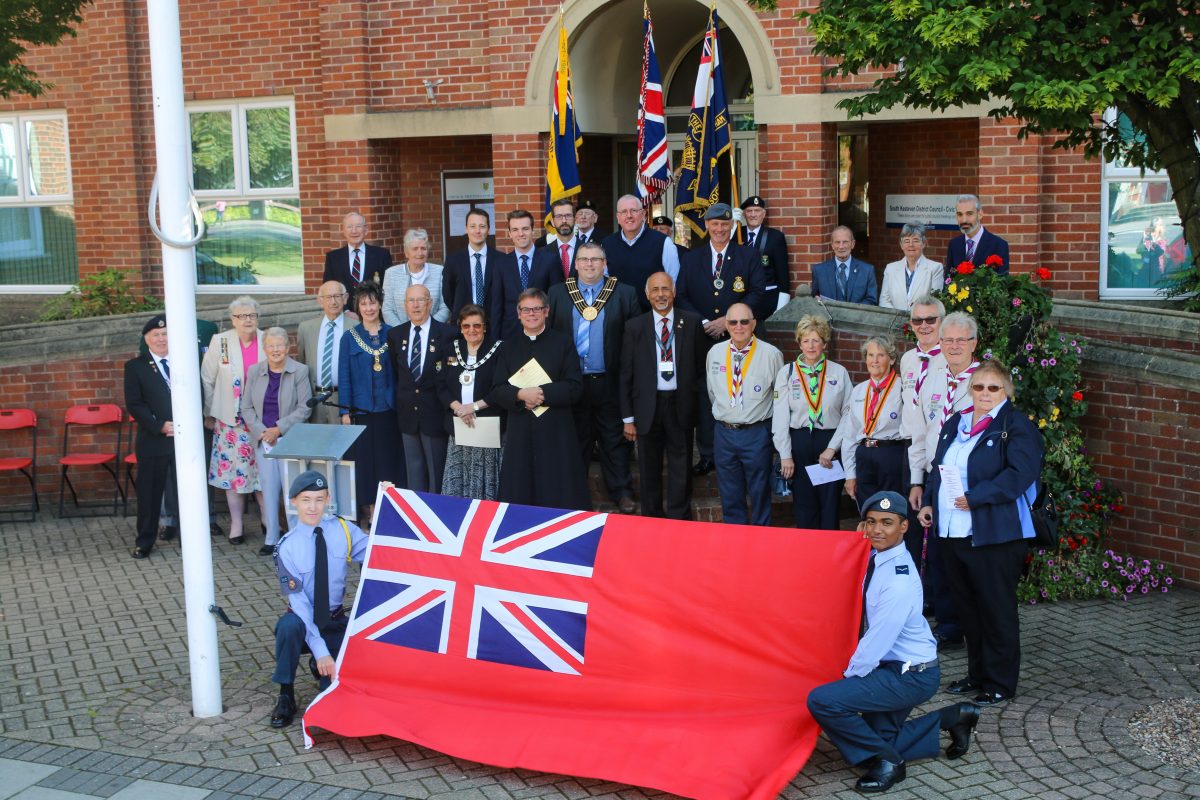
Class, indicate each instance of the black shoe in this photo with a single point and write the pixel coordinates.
(167, 534)
(285, 711)
(960, 732)
(881, 777)
(266, 550)
(312, 667)
(703, 467)
(963, 686)
(991, 698)
(141, 552)
(945, 643)
(215, 530)
(238, 540)
(626, 505)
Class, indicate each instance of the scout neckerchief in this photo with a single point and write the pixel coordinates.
(468, 370)
(737, 362)
(814, 388)
(371, 351)
(952, 382)
(877, 394)
(924, 357)
(590, 312)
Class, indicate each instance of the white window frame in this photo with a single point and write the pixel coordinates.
(1111, 173)
(35, 246)
(241, 189)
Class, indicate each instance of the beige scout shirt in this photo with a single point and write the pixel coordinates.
(755, 402)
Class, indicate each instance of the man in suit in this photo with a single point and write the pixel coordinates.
(417, 348)
(977, 243)
(562, 246)
(844, 277)
(470, 274)
(592, 310)
(357, 261)
(711, 280)
(525, 267)
(148, 398)
(662, 370)
(635, 252)
(318, 344)
(585, 223)
(772, 251)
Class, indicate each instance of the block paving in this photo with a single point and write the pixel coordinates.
(95, 697)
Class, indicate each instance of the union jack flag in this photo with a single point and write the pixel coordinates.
(474, 579)
(654, 157)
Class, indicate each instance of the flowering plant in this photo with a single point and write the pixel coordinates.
(1079, 572)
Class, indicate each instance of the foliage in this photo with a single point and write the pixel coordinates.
(1079, 572)
(44, 22)
(1055, 67)
(99, 295)
(211, 271)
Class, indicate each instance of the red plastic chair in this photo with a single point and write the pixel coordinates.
(15, 419)
(90, 416)
(130, 462)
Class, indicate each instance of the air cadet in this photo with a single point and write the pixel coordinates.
(311, 562)
(894, 668)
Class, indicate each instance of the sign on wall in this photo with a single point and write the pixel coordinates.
(936, 211)
(462, 191)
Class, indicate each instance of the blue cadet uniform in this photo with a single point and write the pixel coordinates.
(893, 669)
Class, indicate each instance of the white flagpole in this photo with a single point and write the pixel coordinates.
(179, 285)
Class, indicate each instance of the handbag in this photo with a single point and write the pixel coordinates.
(1044, 512)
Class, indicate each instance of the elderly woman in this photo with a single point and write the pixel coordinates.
(367, 395)
(811, 395)
(463, 386)
(873, 454)
(275, 399)
(415, 271)
(230, 356)
(980, 509)
(912, 276)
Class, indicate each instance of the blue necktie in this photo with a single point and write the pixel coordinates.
(841, 282)
(478, 279)
(166, 369)
(583, 333)
(750, 238)
(524, 273)
(414, 356)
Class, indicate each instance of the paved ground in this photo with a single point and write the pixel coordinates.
(94, 697)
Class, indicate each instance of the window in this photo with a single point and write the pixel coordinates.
(244, 174)
(37, 215)
(1140, 228)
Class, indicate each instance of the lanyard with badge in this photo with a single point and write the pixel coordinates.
(666, 363)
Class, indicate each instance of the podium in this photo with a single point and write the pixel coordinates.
(307, 446)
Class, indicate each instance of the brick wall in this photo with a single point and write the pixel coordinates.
(1070, 213)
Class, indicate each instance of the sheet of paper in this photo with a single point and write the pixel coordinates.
(819, 475)
(952, 481)
(528, 376)
(458, 218)
(486, 432)
(490, 208)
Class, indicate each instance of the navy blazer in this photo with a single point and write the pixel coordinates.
(1004, 463)
(742, 273)
(457, 283)
(545, 271)
(337, 265)
(861, 286)
(148, 398)
(418, 409)
(989, 245)
(772, 251)
(621, 307)
(639, 368)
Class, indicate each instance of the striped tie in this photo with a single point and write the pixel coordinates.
(327, 355)
(414, 356)
(478, 279)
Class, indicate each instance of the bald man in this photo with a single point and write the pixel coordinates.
(318, 344)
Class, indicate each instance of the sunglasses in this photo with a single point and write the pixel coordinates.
(471, 326)
(991, 387)
(738, 321)
(924, 320)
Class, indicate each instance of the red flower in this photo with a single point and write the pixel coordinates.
(1043, 273)
(1077, 396)
(993, 261)
(965, 268)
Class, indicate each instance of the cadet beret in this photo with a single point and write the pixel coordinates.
(660, 220)
(892, 502)
(719, 211)
(754, 200)
(308, 481)
(155, 322)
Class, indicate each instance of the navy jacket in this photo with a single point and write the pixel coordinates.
(337, 265)
(418, 409)
(989, 245)
(861, 286)
(1005, 462)
(742, 274)
(456, 283)
(545, 271)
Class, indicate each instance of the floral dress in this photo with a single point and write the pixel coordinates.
(231, 465)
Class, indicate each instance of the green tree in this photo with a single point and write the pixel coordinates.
(44, 22)
(1053, 65)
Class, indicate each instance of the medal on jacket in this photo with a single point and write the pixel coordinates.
(376, 352)
(738, 284)
(590, 313)
(468, 371)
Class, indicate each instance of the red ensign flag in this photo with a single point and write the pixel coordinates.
(674, 655)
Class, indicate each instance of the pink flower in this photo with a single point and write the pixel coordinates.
(1016, 302)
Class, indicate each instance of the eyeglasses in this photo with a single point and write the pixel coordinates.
(586, 260)
(332, 296)
(628, 212)
(958, 340)
(416, 301)
(470, 326)
(924, 320)
(244, 316)
(738, 321)
(991, 387)
(531, 309)
(565, 217)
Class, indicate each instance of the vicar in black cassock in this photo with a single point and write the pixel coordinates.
(541, 465)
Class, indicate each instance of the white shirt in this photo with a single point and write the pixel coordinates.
(954, 523)
(477, 291)
(665, 385)
(412, 332)
(158, 363)
(322, 334)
